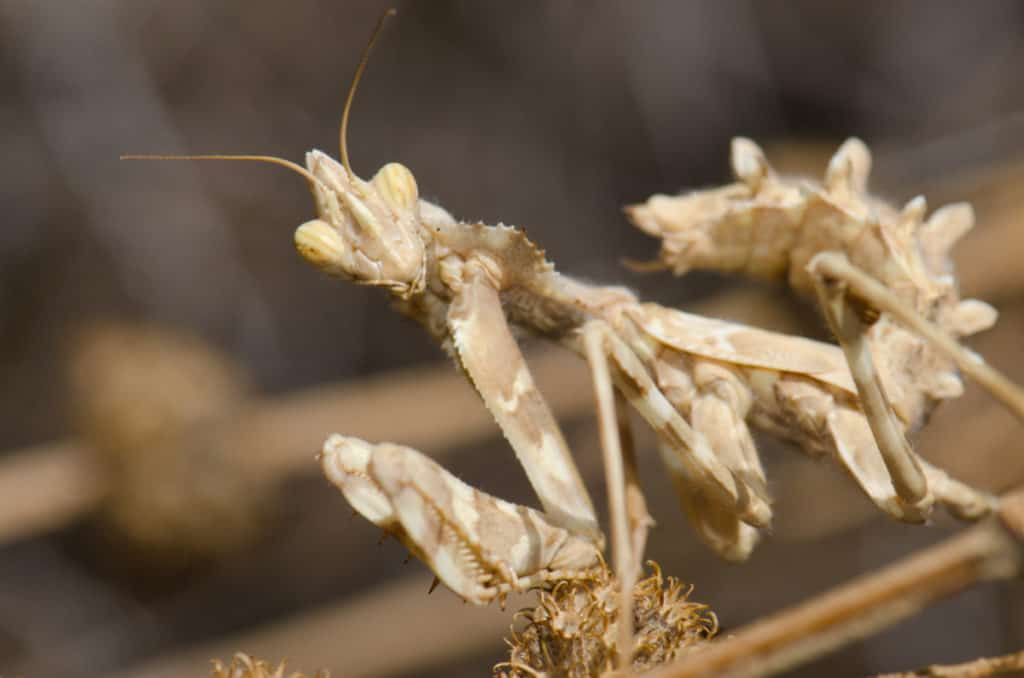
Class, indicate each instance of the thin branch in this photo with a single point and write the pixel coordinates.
(43, 488)
(383, 632)
(979, 668)
(47, 487)
(868, 604)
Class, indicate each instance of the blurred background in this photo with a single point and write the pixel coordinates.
(169, 365)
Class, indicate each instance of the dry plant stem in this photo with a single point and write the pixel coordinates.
(868, 604)
(831, 265)
(44, 488)
(623, 558)
(979, 668)
(359, 636)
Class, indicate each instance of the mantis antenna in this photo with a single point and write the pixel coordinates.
(343, 133)
(255, 158)
(281, 161)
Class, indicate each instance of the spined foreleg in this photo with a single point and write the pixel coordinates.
(480, 546)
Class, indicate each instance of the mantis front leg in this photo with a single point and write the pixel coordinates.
(491, 358)
(480, 546)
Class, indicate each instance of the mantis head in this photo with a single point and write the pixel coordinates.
(366, 231)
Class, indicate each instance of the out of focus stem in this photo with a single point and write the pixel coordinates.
(866, 605)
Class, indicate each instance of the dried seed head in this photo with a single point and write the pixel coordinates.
(244, 666)
(572, 630)
(157, 407)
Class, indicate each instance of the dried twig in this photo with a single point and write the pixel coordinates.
(244, 666)
(47, 487)
(347, 638)
(979, 668)
(868, 604)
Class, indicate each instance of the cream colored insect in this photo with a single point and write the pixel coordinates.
(456, 278)
(860, 258)
(467, 284)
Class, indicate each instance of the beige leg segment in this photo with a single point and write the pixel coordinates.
(835, 266)
(640, 521)
(491, 357)
(723, 507)
(623, 557)
(907, 476)
(719, 412)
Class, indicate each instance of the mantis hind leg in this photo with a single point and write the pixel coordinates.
(832, 270)
(908, 478)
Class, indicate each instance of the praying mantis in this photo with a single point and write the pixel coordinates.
(697, 382)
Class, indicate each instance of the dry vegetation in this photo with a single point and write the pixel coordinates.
(244, 666)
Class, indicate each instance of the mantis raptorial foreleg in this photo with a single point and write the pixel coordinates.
(480, 546)
(491, 358)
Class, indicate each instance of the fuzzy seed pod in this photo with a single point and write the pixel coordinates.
(572, 631)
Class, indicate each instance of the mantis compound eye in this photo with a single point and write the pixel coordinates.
(321, 245)
(397, 186)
